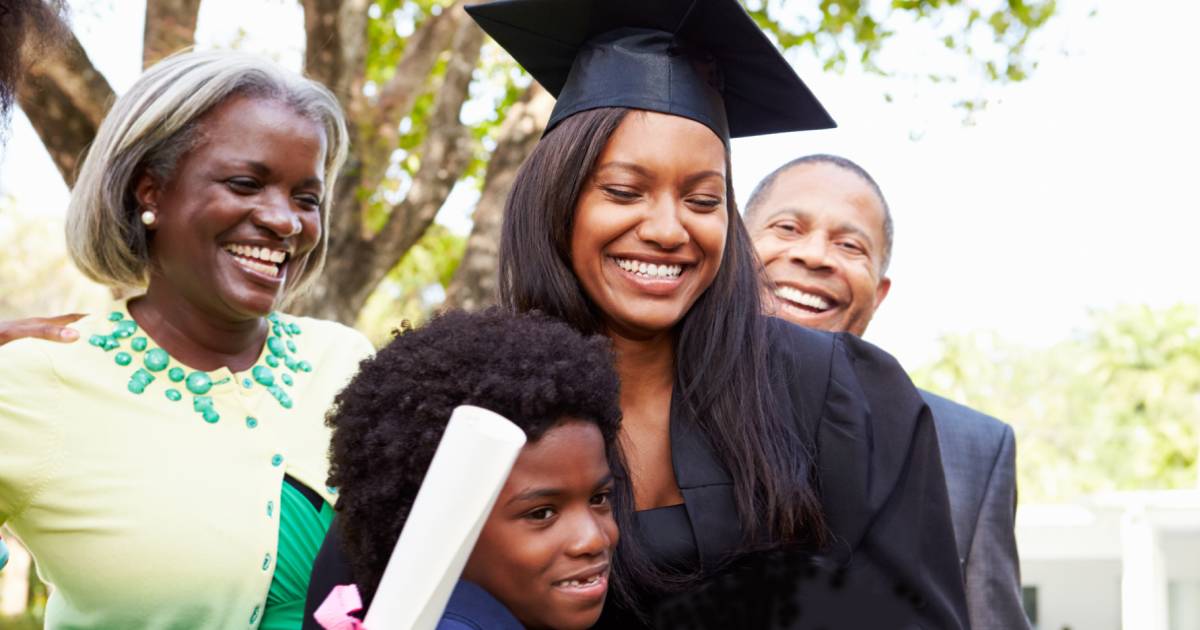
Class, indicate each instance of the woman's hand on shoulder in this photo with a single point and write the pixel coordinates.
(48, 328)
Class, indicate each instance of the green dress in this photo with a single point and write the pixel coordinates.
(301, 530)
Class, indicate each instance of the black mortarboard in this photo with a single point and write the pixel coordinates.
(701, 59)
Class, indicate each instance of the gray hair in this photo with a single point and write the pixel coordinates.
(763, 189)
(154, 124)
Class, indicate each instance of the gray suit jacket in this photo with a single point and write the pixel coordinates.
(979, 459)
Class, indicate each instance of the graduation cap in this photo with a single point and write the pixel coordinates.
(701, 59)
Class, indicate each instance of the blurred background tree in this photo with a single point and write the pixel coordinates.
(404, 69)
(37, 277)
(1115, 408)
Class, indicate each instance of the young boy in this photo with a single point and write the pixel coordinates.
(546, 551)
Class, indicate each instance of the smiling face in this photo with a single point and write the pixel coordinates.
(819, 233)
(650, 223)
(545, 549)
(239, 215)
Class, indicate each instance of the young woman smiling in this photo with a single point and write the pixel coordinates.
(170, 472)
(741, 432)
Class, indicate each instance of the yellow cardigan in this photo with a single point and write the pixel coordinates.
(159, 509)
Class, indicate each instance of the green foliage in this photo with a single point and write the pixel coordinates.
(497, 83)
(1116, 408)
(994, 40)
(405, 294)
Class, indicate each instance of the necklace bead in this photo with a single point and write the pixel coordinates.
(156, 360)
(263, 375)
(199, 383)
(125, 328)
(140, 379)
(279, 346)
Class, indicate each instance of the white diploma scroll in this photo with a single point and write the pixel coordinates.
(468, 470)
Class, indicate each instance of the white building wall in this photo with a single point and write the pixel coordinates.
(1131, 555)
(1075, 594)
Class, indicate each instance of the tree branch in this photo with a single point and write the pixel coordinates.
(355, 264)
(336, 46)
(421, 52)
(474, 285)
(65, 98)
(335, 55)
(445, 153)
(397, 97)
(170, 27)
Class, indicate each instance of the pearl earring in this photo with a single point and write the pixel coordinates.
(148, 218)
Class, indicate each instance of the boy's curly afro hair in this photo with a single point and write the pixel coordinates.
(387, 423)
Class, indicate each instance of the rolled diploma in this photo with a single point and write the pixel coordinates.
(468, 470)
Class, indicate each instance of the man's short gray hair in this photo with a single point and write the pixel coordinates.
(154, 124)
(763, 190)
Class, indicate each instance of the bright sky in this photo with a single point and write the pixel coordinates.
(1070, 192)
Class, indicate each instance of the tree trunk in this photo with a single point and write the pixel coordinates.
(65, 99)
(357, 262)
(170, 27)
(335, 48)
(474, 285)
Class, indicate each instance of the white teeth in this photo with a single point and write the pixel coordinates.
(649, 270)
(803, 298)
(576, 583)
(270, 270)
(263, 254)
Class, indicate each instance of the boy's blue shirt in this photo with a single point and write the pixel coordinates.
(472, 608)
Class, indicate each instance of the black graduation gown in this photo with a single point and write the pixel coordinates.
(893, 558)
(892, 562)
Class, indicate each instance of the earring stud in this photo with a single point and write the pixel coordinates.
(148, 218)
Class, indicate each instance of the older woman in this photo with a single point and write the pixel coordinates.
(170, 471)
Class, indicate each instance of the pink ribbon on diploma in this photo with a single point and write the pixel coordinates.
(334, 612)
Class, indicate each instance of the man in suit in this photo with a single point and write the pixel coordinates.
(824, 232)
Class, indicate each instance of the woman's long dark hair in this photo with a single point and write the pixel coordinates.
(721, 363)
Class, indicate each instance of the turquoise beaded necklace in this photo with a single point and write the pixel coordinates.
(281, 349)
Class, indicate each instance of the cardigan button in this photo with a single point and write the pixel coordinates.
(266, 562)
(276, 459)
(254, 615)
